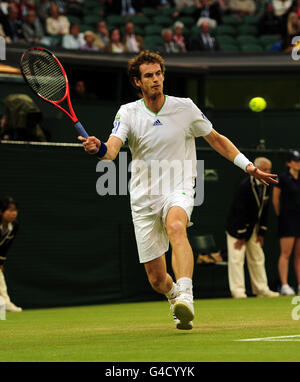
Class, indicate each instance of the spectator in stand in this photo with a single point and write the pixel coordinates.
(180, 4)
(169, 45)
(204, 41)
(242, 8)
(296, 7)
(178, 36)
(12, 25)
(121, 7)
(80, 92)
(281, 7)
(293, 25)
(102, 35)
(32, 28)
(133, 43)
(209, 10)
(24, 6)
(115, 45)
(43, 9)
(57, 24)
(74, 40)
(269, 23)
(89, 45)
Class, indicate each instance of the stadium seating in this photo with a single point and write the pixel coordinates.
(153, 30)
(251, 48)
(228, 48)
(187, 21)
(203, 244)
(164, 21)
(247, 39)
(140, 20)
(152, 42)
(150, 12)
(231, 20)
(246, 29)
(225, 30)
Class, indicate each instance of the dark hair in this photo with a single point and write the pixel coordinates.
(6, 202)
(143, 57)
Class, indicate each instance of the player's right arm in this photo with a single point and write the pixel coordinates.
(92, 144)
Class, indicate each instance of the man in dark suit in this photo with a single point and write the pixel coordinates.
(204, 41)
(12, 26)
(246, 227)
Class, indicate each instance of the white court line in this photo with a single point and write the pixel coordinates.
(278, 338)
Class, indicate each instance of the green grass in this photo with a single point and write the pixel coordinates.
(145, 332)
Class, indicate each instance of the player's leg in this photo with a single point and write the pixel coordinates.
(256, 266)
(182, 254)
(183, 264)
(157, 275)
(162, 282)
(297, 262)
(236, 274)
(286, 248)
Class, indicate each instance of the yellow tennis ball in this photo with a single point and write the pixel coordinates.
(257, 104)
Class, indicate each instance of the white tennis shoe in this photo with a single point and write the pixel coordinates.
(183, 311)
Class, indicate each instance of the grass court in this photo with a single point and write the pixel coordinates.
(144, 331)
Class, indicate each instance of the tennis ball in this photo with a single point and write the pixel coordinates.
(257, 104)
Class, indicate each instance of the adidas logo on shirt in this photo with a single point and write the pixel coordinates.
(157, 123)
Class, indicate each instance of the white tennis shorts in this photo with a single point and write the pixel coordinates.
(149, 223)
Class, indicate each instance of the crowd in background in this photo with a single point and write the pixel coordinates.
(48, 22)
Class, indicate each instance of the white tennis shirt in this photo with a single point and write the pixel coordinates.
(162, 146)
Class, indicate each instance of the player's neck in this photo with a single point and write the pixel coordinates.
(154, 103)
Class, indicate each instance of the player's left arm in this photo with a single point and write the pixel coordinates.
(228, 150)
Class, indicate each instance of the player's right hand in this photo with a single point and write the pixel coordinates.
(91, 144)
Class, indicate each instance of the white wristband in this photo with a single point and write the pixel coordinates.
(241, 161)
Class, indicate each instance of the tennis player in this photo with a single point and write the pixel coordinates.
(163, 128)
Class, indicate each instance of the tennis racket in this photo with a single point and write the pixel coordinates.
(46, 76)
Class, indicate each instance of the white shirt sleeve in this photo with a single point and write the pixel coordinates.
(200, 126)
(121, 125)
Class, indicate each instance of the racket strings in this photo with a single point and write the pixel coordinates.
(44, 75)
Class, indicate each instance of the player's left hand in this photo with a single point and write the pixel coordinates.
(263, 177)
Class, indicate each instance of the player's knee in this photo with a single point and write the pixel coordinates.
(176, 229)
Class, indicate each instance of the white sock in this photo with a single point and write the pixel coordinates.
(285, 285)
(185, 285)
(173, 292)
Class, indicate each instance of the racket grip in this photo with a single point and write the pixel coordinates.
(83, 133)
(81, 130)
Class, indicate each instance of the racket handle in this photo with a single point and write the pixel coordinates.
(83, 133)
(81, 130)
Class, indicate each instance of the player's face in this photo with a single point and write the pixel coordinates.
(151, 81)
(10, 215)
